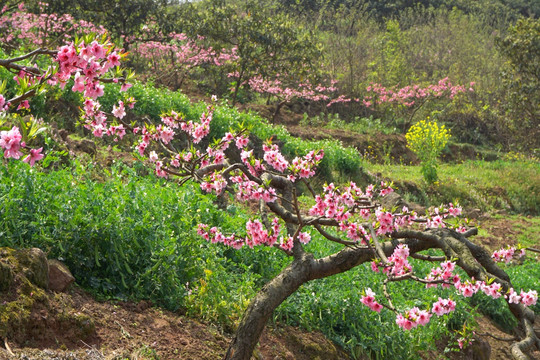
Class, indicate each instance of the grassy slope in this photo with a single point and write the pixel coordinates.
(497, 185)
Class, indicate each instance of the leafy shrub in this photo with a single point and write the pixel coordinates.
(427, 140)
(127, 237)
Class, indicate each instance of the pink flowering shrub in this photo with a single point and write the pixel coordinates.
(22, 28)
(171, 58)
(405, 102)
(88, 62)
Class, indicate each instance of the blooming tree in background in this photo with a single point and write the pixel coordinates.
(410, 99)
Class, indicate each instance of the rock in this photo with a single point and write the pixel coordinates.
(34, 266)
(60, 278)
(479, 349)
(86, 146)
(393, 200)
(6, 276)
(472, 213)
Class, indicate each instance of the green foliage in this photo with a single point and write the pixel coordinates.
(359, 125)
(427, 140)
(267, 43)
(521, 75)
(128, 237)
(125, 18)
(393, 67)
(524, 276)
(486, 185)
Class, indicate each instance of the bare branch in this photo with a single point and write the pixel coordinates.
(428, 257)
(333, 238)
(378, 247)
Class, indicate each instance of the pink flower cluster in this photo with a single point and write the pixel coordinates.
(335, 204)
(413, 318)
(305, 167)
(250, 190)
(255, 235)
(398, 259)
(273, 157)
(275, 87)
(369, 300)
(408, 95)
(214, 182)
(10, 142)
(436, 220)
(37, 29)
(3, 104)
(528, 298)
(341, 99)
(215, 236)
(443, 306)
(444, 273)
(87, 62)
(175, 53)
(200, 130)
(254, 165)
(507, 254)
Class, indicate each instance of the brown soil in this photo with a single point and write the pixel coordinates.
(502, 232)
(140, 331)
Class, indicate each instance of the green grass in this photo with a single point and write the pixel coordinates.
(127, 237)
(528, 228)
(510, 185)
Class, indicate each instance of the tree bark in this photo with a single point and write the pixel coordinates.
(263, 305)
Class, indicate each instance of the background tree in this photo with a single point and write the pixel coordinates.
(521, 75)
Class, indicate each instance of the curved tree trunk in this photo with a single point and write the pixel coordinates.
(278, 108)
(303, 269)
(263, 305)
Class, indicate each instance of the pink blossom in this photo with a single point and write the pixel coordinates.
(125, 86)
(114, 59)
(119, 111)
(79, 83)
(304, 237)
(35, 155)
(529, 298)
(10, 141)
(24, 105)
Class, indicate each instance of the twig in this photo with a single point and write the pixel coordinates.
(8, 348)
(533, 250)
(333, 238)
(124, 332)
(378, 247)
(428, 257)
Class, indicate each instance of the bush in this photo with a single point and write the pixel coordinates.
(427, 140)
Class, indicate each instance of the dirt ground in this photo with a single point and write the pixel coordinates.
(140, 331)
